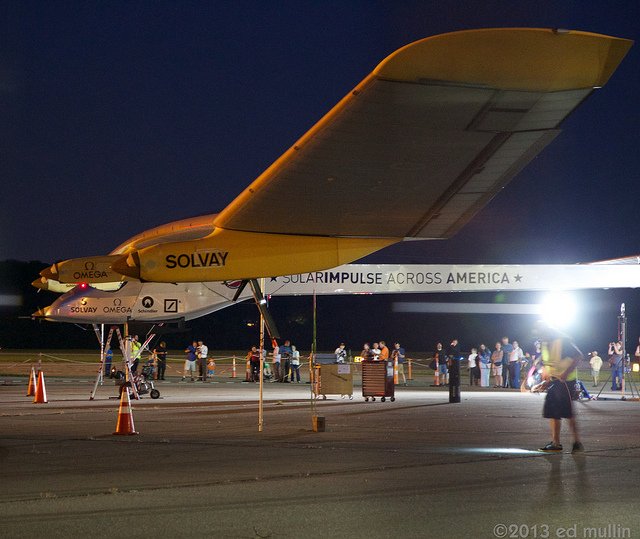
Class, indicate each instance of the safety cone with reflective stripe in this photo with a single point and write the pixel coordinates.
(125, 416)
(31, 389)
(41, 391)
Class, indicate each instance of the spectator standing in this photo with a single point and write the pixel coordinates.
(484, 359)
(441, 373)
(211, 367)
(295, 364)
(507, 348)
(254, 362)
(341, 353)
(453, 354)
(268, 373)
(615, 360)
(384, 351)
(190, 361)
(596, 365)
(285, 352)
(496, 365)
(472, 367)
(375, 352)
(277, 371)
(202, 352)
(366, 353)
(515, 357)
(399, 355)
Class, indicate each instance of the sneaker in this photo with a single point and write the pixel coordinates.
(577, 447)
(551, 447)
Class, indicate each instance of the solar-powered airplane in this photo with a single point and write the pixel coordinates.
(414, 151)
(136, 301)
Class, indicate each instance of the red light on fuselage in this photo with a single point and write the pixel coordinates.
(83, 285)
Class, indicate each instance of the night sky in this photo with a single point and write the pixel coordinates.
(120, 116)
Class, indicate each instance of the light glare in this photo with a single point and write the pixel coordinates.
(558, 309)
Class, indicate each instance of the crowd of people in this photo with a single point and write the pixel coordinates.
(506, 365)
(285, 360)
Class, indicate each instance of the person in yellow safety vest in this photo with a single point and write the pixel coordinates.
(560, 356)
(135, 354)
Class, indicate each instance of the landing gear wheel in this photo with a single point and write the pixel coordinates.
(350, 397)
(393, 399)
(155, 394)
(383, 399)
(366, 399)
(373, 399)
(324, 397)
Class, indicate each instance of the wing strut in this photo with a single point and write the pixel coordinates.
(261, 303)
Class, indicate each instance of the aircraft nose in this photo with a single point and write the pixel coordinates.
(128, 265)
(42, 313)
(50, 273)
(42, 283)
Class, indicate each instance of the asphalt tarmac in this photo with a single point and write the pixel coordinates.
(416, 467)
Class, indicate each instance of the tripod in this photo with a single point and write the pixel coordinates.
(625, 376)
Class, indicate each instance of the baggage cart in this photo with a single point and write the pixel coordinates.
(377, 380)
(336, 379)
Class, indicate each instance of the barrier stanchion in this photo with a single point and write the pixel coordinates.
(233, 368)
(409, 370)
(395, 371)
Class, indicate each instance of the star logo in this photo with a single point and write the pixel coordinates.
(518, 278)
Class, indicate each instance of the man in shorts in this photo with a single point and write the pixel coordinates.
(190, 361)
(560, 357)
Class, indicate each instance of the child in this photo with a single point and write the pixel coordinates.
(211, 367)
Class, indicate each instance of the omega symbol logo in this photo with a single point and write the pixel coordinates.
(117, 302)
(147, 302)
(89, 266)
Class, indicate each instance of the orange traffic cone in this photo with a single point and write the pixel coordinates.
(41, 391)
(125, 417)
(31, 389)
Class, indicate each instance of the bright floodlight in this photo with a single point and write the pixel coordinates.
(558, 309)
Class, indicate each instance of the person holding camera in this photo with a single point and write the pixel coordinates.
(615, 361)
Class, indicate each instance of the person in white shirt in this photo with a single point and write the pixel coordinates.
(202, 351)
(596, 365)
(277, 371)
(295, 363)
(515, 357)
(472, 366)
(341, 353)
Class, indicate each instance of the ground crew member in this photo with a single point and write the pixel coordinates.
(560, 357)
(135, 353)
